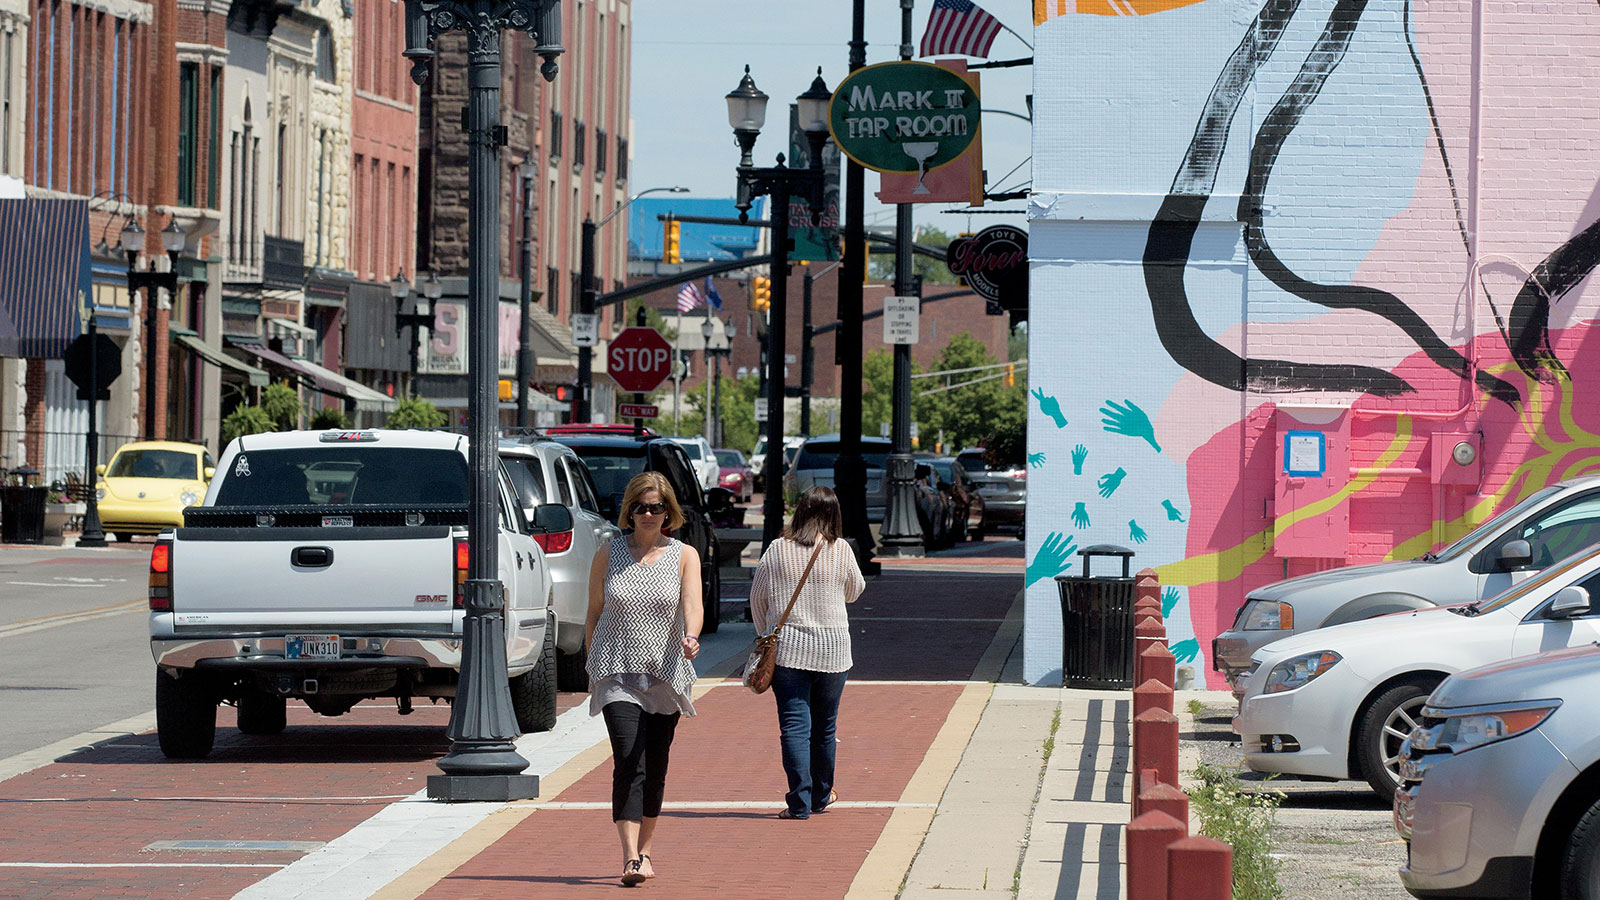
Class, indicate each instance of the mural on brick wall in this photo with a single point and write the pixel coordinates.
(1252, 218)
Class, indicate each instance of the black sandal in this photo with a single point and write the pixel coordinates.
(631, 874)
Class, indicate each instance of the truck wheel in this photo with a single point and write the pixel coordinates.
(124, 536)
(533, 694)
(186, 716)
(262, 713)
(1384, 726)
(572, 673)
(711, 601)
(1580, 864)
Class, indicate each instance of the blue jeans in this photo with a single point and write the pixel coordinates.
(808, 713)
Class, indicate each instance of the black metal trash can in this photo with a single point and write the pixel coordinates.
(1097, 624)
(22, 514)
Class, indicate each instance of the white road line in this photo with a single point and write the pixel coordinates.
(129, 797)
(52, 584)
(44, 756)
(920, 619)
(78, 865)
(738, 804)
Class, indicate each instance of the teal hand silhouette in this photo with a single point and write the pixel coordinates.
(1186, 651)
(1080, 516)
(1079, 454)
(1050, 407)
(1169, 601)
(1053, 558)
(1127, 418)
(1172, 512)
(1136, 533)
(1111, 480)
(1036, 460)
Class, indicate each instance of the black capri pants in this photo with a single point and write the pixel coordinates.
(640, 745)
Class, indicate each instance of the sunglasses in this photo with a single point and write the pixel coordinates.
(654, 509)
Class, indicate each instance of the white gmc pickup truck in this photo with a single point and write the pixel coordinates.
(328, 567)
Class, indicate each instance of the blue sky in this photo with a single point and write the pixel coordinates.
(687, 54)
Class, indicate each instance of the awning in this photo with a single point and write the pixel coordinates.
(44, 275)
(324, 380)
(214, 355)
(292, 327)
(537, 401)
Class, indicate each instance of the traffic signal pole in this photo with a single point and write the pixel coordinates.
(777, 324)
(850, 470)
(586, 305)
(524, 352)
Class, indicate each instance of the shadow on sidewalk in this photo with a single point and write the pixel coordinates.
(304, 744)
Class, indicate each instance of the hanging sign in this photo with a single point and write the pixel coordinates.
(904, 117)
(994, 263)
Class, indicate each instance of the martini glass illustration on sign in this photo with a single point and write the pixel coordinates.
(921, 151)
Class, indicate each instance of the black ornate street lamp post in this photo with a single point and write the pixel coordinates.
(747, 112)
(483, 763)
(173, 238)
(417, 319)
(715, 354)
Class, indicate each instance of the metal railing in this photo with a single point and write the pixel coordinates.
(63, 452)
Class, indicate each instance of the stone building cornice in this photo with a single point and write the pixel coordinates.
(131, 10)
(202, 53)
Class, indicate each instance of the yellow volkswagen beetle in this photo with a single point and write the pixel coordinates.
(148, 485)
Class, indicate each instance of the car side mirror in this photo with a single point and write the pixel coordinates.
(551, 518)
(1569, 602)
(100, 469)
(1515, 555)
(209, 473)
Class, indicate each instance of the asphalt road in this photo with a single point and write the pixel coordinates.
(74, 652)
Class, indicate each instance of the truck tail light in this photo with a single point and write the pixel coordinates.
(554, 541)
(461, 573)
(161, 577)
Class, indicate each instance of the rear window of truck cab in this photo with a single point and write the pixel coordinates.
(344, 475)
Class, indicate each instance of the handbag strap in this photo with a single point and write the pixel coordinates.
(802, 583)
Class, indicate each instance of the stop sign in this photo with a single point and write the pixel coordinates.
(639, 359)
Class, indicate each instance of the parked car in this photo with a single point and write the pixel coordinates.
(702, 459)
(758, 458)
(813, 465)
(1501, 797)
(734, 474)
(1338, 702)
(614, 459)
(274, 591)
(1549, 524)
(148, 484)
(546, 471)
(1004, 491)
(966, 504)
(933, 508)
(623, 428)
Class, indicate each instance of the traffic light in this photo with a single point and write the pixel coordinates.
(1011, 376)
(506, 388)
(565, 393)
(760, 293)
(669, 242)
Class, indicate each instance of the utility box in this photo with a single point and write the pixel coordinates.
(1313, 466)
(1457, 459)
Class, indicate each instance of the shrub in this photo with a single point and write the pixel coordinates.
(1245, 820)
(328, 417)
(245, 420)
(415, 412)
(281, 403)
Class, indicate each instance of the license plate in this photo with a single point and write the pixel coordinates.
(311, 646)
(338, 522)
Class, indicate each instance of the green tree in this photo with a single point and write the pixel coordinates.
(738, 412)
(933, 271)
(329, 417)
(980, 407)
(877, 386)
(245, 420)
(281, 403)
(415, 412)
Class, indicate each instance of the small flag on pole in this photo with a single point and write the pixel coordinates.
(959, 27)
(713, 299)
(689, 297)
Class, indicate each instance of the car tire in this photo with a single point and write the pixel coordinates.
(262, 713)
(572, 672)
(124, 536)
(533, 693)
(711, 600)
(186, 715)
(1580, 862)
(1384, 725)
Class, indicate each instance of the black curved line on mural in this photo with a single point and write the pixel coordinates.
(1558, 273)
(1171, 240)
(1280, 122)
(1433, 118)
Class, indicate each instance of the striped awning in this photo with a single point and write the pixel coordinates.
(44, 275)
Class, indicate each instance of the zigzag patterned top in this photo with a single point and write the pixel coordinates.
(641, 627)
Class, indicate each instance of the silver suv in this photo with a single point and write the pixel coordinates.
(1502, 782)
(813, 466)
(546, 471)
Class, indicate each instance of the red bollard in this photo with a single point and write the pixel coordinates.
(1148, 837)
(1156, 663)
(1151, 694)
(1146, 584)
(1148, 778)
(1155, 744)
(1198, 868)
(1163, 798)
(1146, 634)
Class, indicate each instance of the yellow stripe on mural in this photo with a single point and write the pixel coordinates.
(1044, 10)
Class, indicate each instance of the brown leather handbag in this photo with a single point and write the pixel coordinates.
(763, 657)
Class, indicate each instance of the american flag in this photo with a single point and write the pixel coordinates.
(959, 27)
(689, 297)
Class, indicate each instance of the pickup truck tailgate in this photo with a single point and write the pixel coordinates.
(312, 574)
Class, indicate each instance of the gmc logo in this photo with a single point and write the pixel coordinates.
(433, 598)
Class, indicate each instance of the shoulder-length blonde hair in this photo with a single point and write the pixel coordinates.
(641, 484)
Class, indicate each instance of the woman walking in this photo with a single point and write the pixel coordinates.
(813, 645)
(643, 628)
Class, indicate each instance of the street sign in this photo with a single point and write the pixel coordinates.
(994, 263)
(904, 117)
(107, 364)
(761, 409)
(639, 359)
(585, 329)
(638, 411)
(901, 318)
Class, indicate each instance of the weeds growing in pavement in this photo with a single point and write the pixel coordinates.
(1196, 708)
(1245, 820)
(1050, 742)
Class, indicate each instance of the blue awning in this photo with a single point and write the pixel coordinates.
(44, 275)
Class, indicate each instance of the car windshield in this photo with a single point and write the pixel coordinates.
(729, 458)
(690, 448)
(153, 464)
(355, 475)
(612, 469)
(942, 466)
(821, 455)
(1539, 583)
(1465, 544)
(972, 462)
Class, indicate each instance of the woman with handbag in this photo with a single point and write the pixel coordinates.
(800, 588)
(643, 629)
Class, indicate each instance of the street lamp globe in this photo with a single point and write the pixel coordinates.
(747, 106)
(707, 329)
(728, 330)
(813, 106)
(398, 286)
(433, 288)
(132, 237)
(173, 237)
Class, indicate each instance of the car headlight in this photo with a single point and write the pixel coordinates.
(1467, 729)
(1299, 671)
(1268, 615)
(99, 494)
(188, 498)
